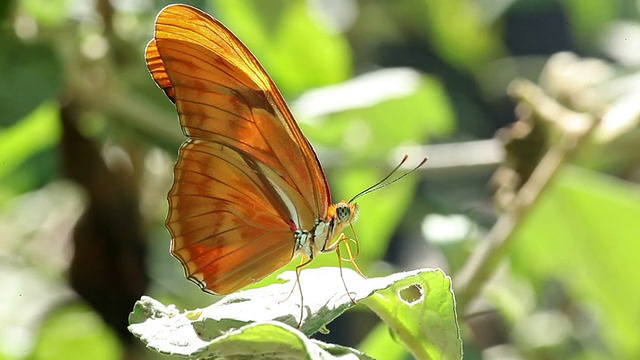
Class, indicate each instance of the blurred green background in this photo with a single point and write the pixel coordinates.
(87, 145)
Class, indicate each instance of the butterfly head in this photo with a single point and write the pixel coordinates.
(346, 212)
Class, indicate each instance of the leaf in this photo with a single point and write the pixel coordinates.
(373, 113)
(380, 344)
(31, 74)
(470, 44)
(204, 331)
(33, 135)
(584, 233)
(279, 34)
(75, 332)
(421, 311)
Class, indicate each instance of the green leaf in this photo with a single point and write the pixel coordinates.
(584, 233)
(201, 331)
(39, 131)
(471, 43)
(420, 310)
(588, 17)
(380, 344)
(374, 113)
(273, 340)
(47, 12)
(76, 332)
(31, 74)
(279, 33)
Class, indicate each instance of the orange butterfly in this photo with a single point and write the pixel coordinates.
(249, 193)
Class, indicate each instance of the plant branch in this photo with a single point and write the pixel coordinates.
(573, 129)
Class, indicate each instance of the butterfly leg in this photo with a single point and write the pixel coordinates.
(352, 259)
(299, 285)
(341, 275)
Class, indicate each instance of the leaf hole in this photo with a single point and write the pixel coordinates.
(411, 294)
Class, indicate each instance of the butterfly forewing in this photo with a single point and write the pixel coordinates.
(246, 178)
(158, 72)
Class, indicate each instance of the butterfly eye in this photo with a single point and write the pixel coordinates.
(343, 211)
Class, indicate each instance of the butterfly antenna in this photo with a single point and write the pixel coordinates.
(380, 184)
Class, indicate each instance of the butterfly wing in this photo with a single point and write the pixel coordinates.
(246, 178)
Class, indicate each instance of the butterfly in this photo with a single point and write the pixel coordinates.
(249, 193)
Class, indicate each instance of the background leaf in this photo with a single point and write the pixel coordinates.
(279, 34)
(31, 74)
(585, 221)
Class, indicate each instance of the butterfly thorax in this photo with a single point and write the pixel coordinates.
(319, 239)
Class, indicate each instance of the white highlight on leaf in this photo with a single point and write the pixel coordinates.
(446, 228)
(361, 92)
